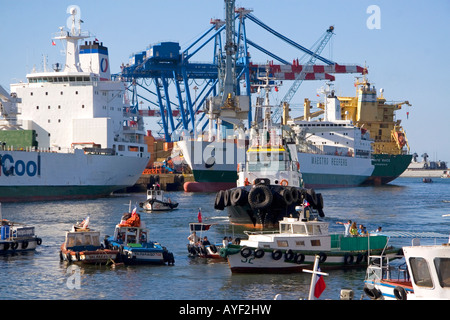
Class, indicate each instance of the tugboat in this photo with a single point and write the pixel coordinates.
(17, 237)
(269, 184)
(156, 201)
(295, 245)
(131, 239)
(82, 245)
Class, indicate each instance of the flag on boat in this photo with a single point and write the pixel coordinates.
(53, 43)
(305, 203)
(320, 285)
(199, 216)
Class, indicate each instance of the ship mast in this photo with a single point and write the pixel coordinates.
(71, 38)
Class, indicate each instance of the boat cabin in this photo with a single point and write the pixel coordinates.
(86, 240)
(130, 235)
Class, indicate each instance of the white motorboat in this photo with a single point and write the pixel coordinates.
(424, 275)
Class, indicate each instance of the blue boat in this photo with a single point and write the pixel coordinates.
(131, 239)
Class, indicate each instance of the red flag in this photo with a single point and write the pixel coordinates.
(53, 43)
(319, 286)
(199, 216)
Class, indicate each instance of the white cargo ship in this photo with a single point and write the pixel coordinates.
(67, 133)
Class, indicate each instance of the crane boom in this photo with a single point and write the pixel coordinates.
(301, 76)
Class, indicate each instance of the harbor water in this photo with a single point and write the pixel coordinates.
(406, 204)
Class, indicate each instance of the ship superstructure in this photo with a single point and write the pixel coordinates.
(68, 133)
(373, 113)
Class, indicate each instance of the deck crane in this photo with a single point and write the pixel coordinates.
(301, 76)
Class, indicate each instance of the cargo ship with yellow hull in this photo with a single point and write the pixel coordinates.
(390, 154)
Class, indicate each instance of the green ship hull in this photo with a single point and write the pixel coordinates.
(388, 167)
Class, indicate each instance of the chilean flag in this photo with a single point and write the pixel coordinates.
(305, 203)
(319, 286)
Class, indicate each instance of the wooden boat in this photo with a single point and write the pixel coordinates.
(82, 245)
(17, 237)
(131, 238)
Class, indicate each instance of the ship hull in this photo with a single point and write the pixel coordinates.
(318, 171)
(327, 171)
(36, 176)
(388, 167)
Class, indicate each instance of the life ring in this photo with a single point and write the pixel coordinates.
(246, 252)
(238, 197)
(260, 197)
(284, 183)
(322, 257)
(219, 203)
(289, 255)
(38, 241)
(277, 254)
(259, 253)
(348, 259)
(24, 244)
(14, 245)
(400, 293)
(299, 258)
(372, 293)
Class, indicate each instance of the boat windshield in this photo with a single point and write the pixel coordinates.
(83, 239)
(267, 161)
(443, 271)
(421, 272)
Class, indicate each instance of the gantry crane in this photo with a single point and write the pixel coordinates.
(165, 70)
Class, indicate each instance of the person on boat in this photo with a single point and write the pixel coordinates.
(353, 229)
(346, 226)
(206, 241)
(193, 238)
(225, 242)
(362, 231)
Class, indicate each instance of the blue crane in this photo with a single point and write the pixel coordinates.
(165, 70)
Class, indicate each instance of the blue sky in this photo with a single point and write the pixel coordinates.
(407, 56)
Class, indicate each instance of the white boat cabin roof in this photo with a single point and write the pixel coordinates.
(82, 238)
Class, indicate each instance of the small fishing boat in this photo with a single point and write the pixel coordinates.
(131, 239)
(82, 245)
(424, 274)
(296, 244)
(156, 201)
(427, 180)
(17, 237)
(199, 245)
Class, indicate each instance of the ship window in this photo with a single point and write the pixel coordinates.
(71, 78)
(443, 271)
(300, 229)
(31, 93)
(300, 243)
(76, 92)
(282, 243)
(49, 107)
(61, 93)
(315, 243)
(421, 272)
(46, 93)
(37, 107)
